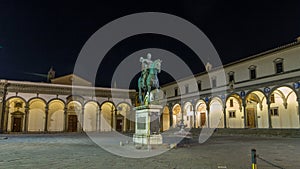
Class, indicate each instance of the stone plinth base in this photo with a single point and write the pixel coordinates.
(147, 125)
(156, 139)
(143, 139)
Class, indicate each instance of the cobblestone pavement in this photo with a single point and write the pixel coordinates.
(78, 151)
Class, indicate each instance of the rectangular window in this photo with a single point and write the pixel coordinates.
(231, 102)
(186, 89)
(252, 73)
(176, 91)
(272, 98)
(199, 85)
(279, 67)
(274, 112)
(231, 78)
(214, 82)
(165, 94)
(231, 114)
(141, 123)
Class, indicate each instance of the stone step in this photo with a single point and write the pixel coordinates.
(256, 132)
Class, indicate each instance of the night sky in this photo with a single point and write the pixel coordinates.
(35, 35)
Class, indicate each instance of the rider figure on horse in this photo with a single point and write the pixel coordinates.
(148, 79)
(146, 62)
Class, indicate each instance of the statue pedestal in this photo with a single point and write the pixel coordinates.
(147, 126)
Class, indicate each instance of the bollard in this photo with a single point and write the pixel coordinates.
(253, 158)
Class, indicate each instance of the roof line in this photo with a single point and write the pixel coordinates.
(61, 85)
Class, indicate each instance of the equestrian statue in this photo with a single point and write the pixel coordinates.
(148, 79)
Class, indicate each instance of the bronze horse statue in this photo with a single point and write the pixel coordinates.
(149, 81)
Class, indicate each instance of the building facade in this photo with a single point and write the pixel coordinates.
(261, 91)
(47, 107)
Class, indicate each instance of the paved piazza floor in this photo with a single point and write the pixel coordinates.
(78, 151)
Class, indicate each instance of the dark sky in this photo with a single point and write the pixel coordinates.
(36, 35)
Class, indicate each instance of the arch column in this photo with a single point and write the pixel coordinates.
(269, 114)
(182, 116)
(6, 118)
(194, 114)
(115, 118)
(298, 99)
(65, 119)
(2, 111)
(100, 114)
(81, 122)
(245, 114)
(170, 114)
(46, 119)
(124, 127)
(3, 108)
(26, 118)
(208, 118)
(224, 113)
(98, 119)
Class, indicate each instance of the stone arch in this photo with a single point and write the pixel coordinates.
(165, 121)
(56, 99)
(215, 98)
(279, 86)
(37, 98)
(176, 109)
(256, 109)
(107, 116)
(238, 99)
(216, 115)
(255, 90)
(15, 112)
(90, 101)
(90, 116)
(234, 111)
(56, 115)
(107, 102)
(188, 114)
(36, 115)
(77, 98)
(201, 113)
(125, 117)
(284, 109)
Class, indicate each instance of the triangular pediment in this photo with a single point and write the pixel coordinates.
(71, 79)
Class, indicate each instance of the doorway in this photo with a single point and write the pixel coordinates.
(17, 124)
(119, 125)
(72, 123)
(203, 119)
(251, 118)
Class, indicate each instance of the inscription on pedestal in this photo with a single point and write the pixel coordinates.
(154, 123)
(141, 123)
